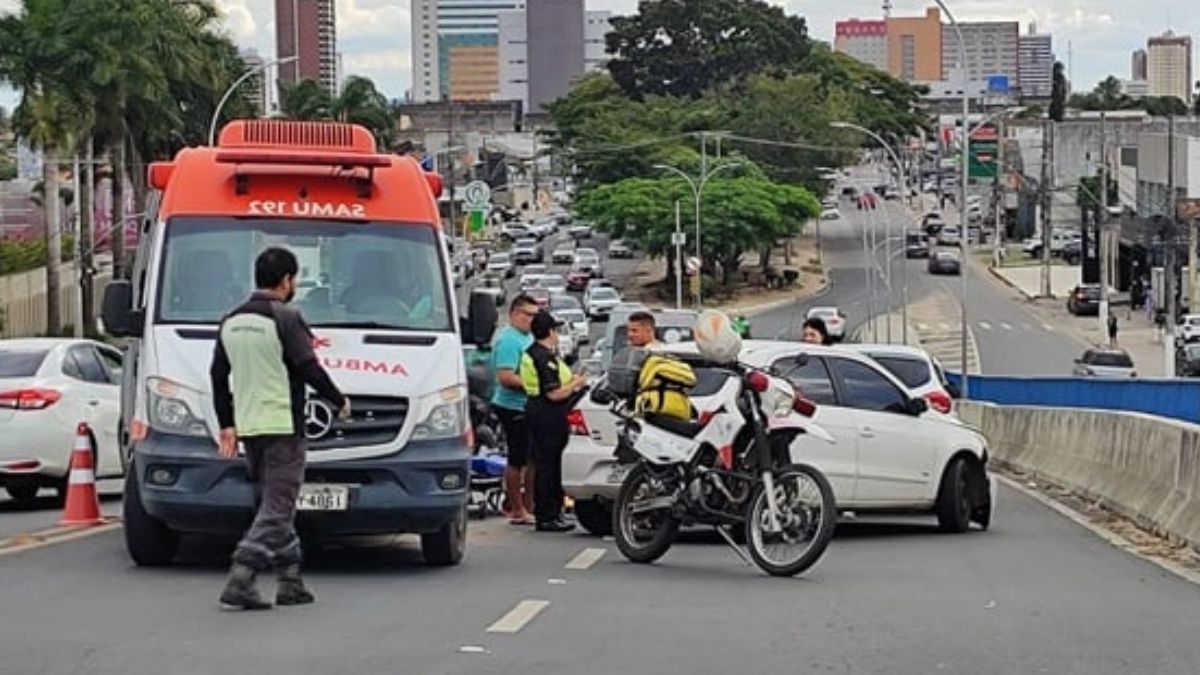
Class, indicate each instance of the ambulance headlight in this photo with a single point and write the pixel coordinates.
(174, 408)
(444, 415)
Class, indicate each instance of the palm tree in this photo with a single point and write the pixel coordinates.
(33, 46)
(358, 103)
(306, 100)
(361, 103)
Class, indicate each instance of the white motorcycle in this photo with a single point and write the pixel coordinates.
(730, 468)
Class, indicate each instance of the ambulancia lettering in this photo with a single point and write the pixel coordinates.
(365, 366)
(264, 207)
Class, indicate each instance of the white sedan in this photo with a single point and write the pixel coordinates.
(598, 302)
(47, 387)
(891, 453)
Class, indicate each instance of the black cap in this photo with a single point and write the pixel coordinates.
(543, 323)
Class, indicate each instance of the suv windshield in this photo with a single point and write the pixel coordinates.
(352, 274)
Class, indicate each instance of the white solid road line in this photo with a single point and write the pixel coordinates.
(585, 559)
(518, 617)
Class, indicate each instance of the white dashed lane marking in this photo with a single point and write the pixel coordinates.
(585, 559)
(518, 617)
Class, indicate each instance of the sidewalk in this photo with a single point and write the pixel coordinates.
(1136, 332)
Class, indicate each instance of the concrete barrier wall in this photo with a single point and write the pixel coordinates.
(1143, 467)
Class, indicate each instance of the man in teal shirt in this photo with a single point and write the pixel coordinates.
(509, 400)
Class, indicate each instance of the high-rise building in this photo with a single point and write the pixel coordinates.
(426, 84)
(253, 89)
(462, 33)
(915, 46)
(1035, 63)
(514, 58)
(992, 50)
(1169, 66)
(595, 49)
(1138, 69)
(866, 41)
(539, 58)
(307, 29)
(555, 32)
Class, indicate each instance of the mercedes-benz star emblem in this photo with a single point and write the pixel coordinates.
(318, 419)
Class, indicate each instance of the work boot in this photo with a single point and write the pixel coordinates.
(241, 593)
(291, 589)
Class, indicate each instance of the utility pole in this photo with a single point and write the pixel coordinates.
(80, 267)
(678, 257)
(1102, 229)
(1168, 338)
(535, 173)
(998, 236)
(450, 170)
(1045, 188)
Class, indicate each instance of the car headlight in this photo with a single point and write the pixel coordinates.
(443, 414)
(174, 408)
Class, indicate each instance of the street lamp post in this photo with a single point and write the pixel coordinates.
(697, 192)
(903, 186)
(212, 127)
(965, 170)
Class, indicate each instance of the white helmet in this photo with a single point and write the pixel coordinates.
(716, 338)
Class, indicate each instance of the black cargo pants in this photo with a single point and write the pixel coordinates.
(276, 466)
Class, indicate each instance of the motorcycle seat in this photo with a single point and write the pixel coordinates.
(674, 425)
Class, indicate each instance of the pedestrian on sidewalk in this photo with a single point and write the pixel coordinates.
(509, 400)
(551, 388)
(815, 332)
(261, 365)
(1112, 329)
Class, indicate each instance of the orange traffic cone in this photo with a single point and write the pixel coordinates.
(83, 504)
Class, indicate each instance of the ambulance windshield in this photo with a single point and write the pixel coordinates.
(352, 274)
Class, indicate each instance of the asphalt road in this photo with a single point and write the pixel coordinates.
(1011, 340)
(1036, 594)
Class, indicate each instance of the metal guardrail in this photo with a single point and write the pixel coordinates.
(1171, 398)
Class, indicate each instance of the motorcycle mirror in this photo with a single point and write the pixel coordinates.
(602, 396)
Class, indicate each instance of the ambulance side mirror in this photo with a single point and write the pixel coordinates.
(120, 319)
(481, 319)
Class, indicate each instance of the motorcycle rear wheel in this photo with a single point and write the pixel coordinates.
(642, 538)
(808, 516)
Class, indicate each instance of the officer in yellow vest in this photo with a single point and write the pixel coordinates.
(551, 387)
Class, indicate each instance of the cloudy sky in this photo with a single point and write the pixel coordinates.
(373, 35)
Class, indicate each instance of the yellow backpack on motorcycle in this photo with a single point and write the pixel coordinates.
(662, 387)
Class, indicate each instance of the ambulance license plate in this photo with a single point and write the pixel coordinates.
(323, 498)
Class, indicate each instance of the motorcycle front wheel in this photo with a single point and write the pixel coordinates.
(642, 534)
(807, 517)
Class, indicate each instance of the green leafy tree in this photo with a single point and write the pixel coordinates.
(609, 137)
(798, 109)
(1058, 93)
(361, 103)
(687, 47)
(306, 100)
(744, 213)
(1165, 106)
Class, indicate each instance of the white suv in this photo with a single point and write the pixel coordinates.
(884, 459)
